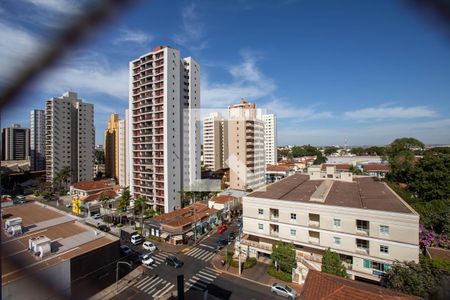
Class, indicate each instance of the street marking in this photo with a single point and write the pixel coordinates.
(162, 290)
(207, 279)
(204, 255)
(207, 274)
(207, 246)
(145, 280)
(153, 285)
(213, 270)
(195, 251)
(144, 286)
(160, 260)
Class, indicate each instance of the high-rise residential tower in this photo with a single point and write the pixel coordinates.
(37, 139)
(111, 147)
(165, 138)
(124, 151)
(70, 137)
(15, 143)
(215, 141)
(270, 138)
(246, 147)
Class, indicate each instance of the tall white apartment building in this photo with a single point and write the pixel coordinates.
(361, 219)
(37, 139)
(165, 138)
(70, 137)
(246, 147)
(215, 141)
(124, 151)
(270, 138)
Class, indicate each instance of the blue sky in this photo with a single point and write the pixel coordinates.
(368, 71)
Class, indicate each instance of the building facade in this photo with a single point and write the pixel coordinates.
(37, 139)
(124, 151)
(70, 137)
(15, 143)
(363, 220)
(215, 142)
(111, 144)
(246, 147)
(165, 141)
(270, 138)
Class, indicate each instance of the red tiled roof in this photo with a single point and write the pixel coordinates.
(94, 185)
(278, 168)
(186, 220)
(376, 167)
(223, 199)
(324, 286)
(441, 253)
(98, 195)
(198, 206)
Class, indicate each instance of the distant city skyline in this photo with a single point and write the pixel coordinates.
(368, 72)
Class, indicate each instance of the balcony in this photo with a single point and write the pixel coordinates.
(274, 214)
(314, 237)
(314, 220)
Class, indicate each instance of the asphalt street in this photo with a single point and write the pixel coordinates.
(199, 276)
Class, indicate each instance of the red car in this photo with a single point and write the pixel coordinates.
(221, 229)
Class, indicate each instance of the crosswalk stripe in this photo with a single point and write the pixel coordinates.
(210, 256)
(161, 290)
(161, 255)
(197, 250)
(213, 270)
(200, 284)
(205, 278)
(148, 283)
(151, 291)
(167, 290)
(141, 281)
(203, 255)
(210, 273)
(207, 275)
(148, 279)
(191, 250)
(207, 246)
(158, 259)
(153, 285)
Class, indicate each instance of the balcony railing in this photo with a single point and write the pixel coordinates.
(314, 240)
(314, 223)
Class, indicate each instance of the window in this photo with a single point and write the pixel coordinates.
(384, 249)
(384, 229)
(293, 216)
(337, 222)
(362, 244)
(362, 225)
(337, 240)
(260, 226)
(293, 232)
(367, 264)
(260, 211)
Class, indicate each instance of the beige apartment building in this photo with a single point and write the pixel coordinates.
(362, 219)
(215, 142)
(69, 137)
(112, 147)
(124, 151)
(246, 147)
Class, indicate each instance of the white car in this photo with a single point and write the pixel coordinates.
(149, 246)
(146, 259)
(136, 239)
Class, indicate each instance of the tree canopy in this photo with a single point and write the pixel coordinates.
(332, 264)
(284, 255)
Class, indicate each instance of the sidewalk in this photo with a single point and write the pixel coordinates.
(257, 274)
(115, 289)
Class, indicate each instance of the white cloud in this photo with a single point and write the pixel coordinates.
(247, 82)
(133, 36)
(384, 112)
(192, 30)
(286, 110)
(57, 6)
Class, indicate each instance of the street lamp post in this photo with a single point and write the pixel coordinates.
(117, 272)
(240, 231)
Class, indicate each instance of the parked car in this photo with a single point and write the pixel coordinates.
(149, 246)
(221, 243)
(104, 228)
(96, 216)
(146, 259)
(174, 262)
(19, 199)
(231, 236)
(136, 239)
(283, 290)
(125, 250)
(221, 229)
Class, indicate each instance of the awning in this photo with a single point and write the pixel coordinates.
(164, 235)
(189, 234)
(178, 238)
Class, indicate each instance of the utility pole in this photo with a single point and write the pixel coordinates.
(239, 252)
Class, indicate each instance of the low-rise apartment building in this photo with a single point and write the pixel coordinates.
(362, 219)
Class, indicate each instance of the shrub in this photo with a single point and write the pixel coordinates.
(250, 263)
(272, 271)
(119, 225)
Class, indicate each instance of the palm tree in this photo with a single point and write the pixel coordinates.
(139, 204)
(104, 199)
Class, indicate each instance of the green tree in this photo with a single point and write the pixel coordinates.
(332, 264)
(330, 150)
(284, 255)
(104, 200)
(419, 279)
(61, 179)
(139, 205)
(99, 157)
(375, 150)
(358, 151)
(355, 170)
(401, 158)
(320, 159)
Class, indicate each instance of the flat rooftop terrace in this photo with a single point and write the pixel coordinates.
(69, 239)
(363, 192)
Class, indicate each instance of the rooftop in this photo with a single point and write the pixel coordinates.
(324, 286)
(185, 216)
(441, 253)
(69, 239)
(376, 167)
(341, 167)
(221, 199)
(363, 192)
(278, 168)
(94, 185)
(98, 195)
